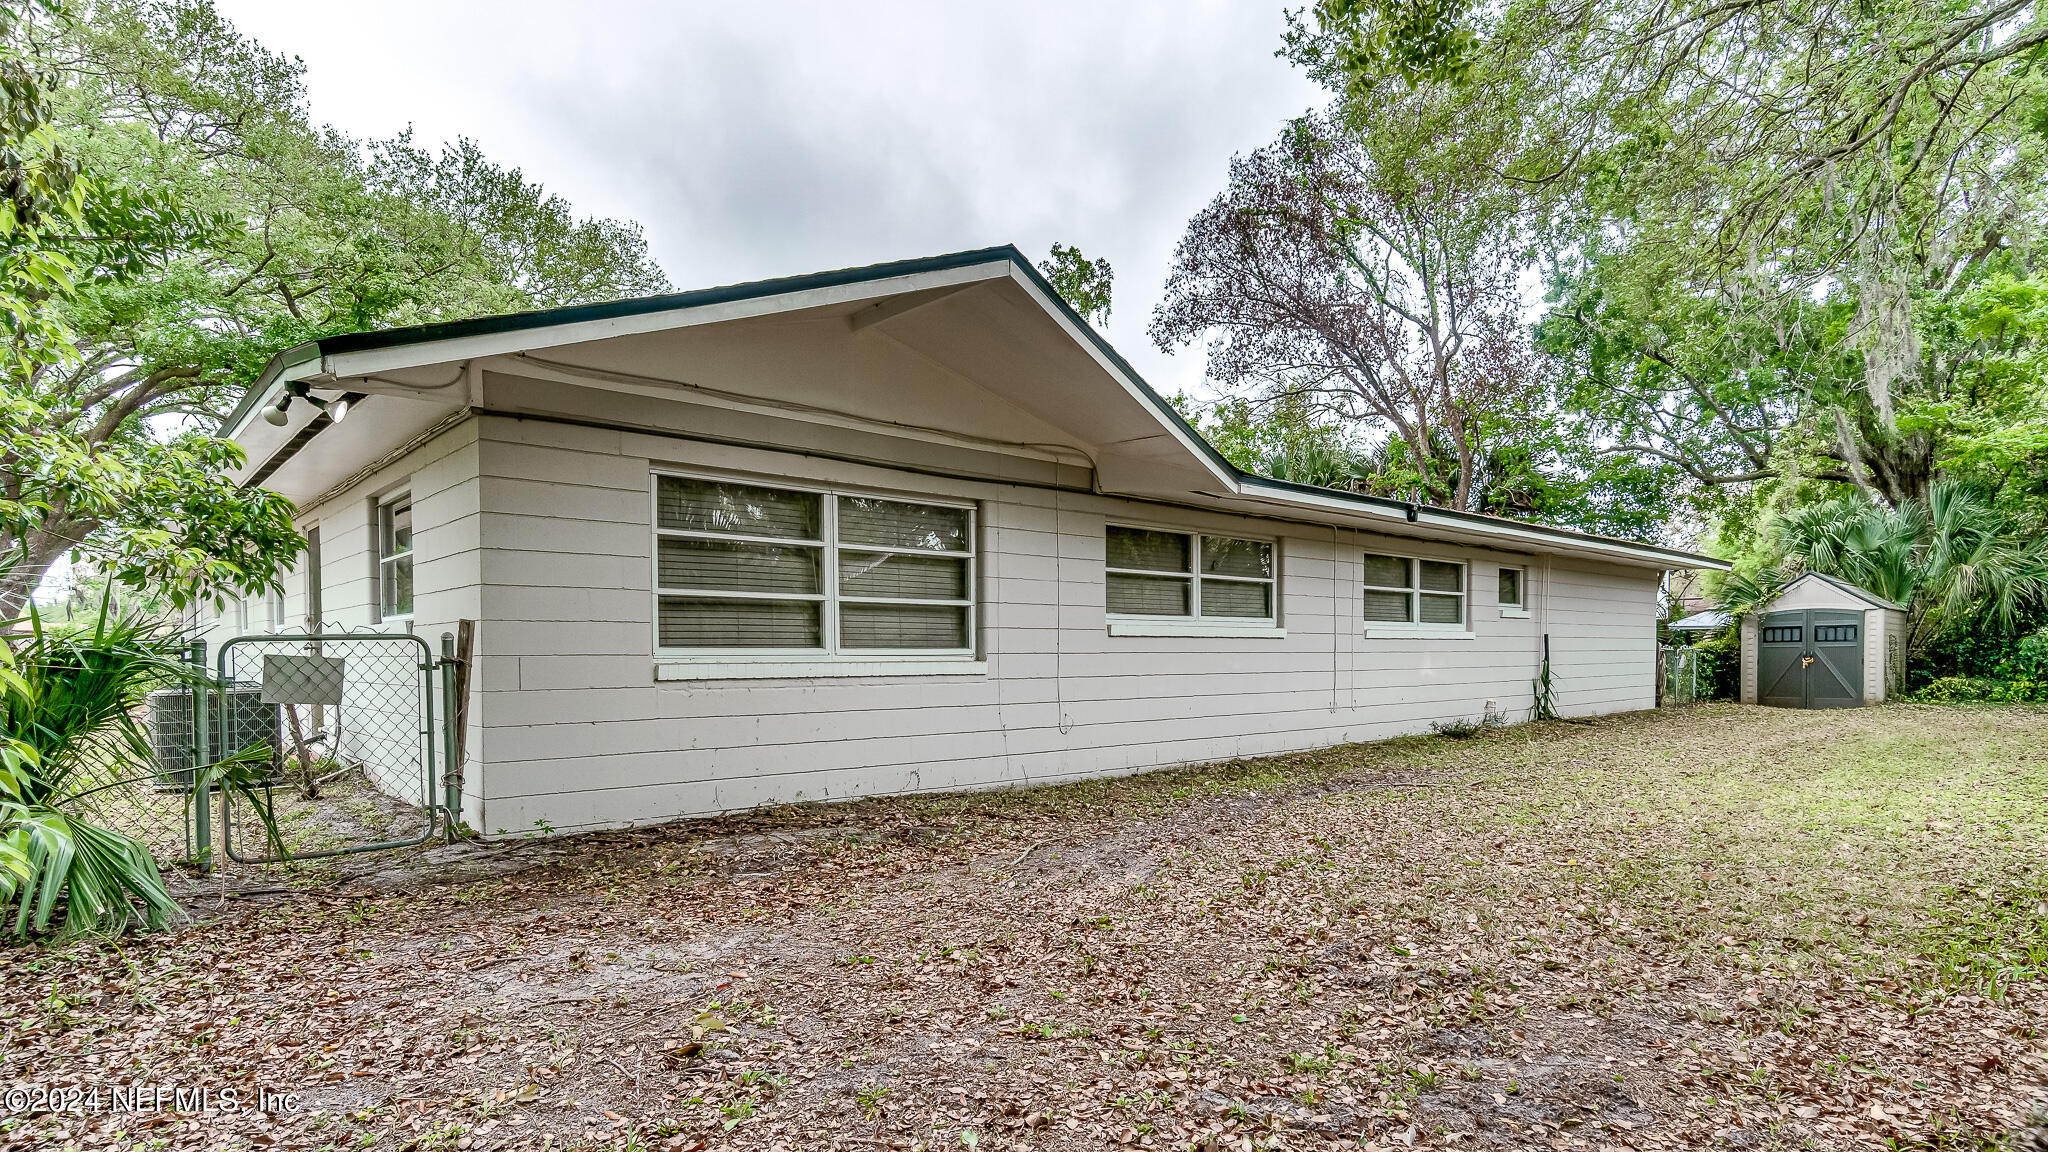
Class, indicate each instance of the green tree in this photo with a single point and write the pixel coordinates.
(1955, 561)
(278, 231)
(1285, 440)
(1760, 214)
(1083, 283)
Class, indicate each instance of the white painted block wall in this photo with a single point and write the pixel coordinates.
(580, 734)
(442, 477)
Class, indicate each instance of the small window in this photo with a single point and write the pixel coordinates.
(1510, 588)
(743, 568)
(1186, 574)
(1406, 590)
(394, 558)
(242, 615)
(276, 606)
(1784, 634)
(1834, 633)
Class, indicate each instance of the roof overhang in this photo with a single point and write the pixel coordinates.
(1846, 589)
(987, 315)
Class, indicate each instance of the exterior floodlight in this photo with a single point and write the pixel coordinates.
(280, 413)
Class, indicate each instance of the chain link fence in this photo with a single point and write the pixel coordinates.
(128, 793)
(1681, 675)
(347, 733)
(350, 722)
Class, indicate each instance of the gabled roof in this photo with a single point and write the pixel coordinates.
(1847, 589)
(360, 355)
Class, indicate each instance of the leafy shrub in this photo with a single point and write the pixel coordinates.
(70, 707)
(1721, 665)
(2019, 676)
(1980, 647)
(2028, 661)
(1981, 690)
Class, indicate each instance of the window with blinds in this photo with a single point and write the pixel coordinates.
(748, 569)
(1187, 574)
(1407, 590)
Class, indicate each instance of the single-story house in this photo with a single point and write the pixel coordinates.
(908, 527)
(1823, 643)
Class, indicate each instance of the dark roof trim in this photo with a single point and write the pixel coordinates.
(611, 310)
(678, 301)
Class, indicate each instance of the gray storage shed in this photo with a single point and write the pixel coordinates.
(1823, 643)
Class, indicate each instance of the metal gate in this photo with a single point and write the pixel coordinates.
(1681, 675)
(355, 734)
(1810, 659)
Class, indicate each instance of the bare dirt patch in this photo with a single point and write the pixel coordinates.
(1724, 927)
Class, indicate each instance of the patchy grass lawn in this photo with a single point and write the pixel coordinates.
(1717, 927)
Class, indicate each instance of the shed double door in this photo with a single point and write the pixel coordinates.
(1811, 659)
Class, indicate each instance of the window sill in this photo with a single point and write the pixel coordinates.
(1172, 627)
(1410, 632)
(1507, 613)
(806, 669)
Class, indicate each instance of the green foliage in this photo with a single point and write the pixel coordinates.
(1994, 428)
(222, 225)
(1986, 668)
(1416, 40)
(71, 702)
(2029, 660)
(1283, 439)
(1959, 563)
(1981, 690)
(1783, 244)
(1083, 283)
(1720, 657)
(1543, 690)
(73, 711)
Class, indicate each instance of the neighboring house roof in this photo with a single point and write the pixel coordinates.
(364, 355)
(1847, 589)
(1712, 620)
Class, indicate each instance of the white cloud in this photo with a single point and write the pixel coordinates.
(771, 139)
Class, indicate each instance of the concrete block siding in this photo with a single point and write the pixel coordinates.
(581, 734)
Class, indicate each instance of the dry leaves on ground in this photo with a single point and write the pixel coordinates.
(1714, 927)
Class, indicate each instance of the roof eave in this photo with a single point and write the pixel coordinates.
(1534, 536)
(349, 355)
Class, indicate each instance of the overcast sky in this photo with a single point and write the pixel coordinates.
(768, 139)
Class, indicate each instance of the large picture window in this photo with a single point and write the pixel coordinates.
(394, 558)
(1187, 574)
(1407, 590)
(749, 569)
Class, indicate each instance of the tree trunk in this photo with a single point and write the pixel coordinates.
(32, 556)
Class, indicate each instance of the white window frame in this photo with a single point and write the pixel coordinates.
(1194, 623)
(387, 506)
(274, 602)
(1415, 628)
(1517, 611)
(830, 659)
